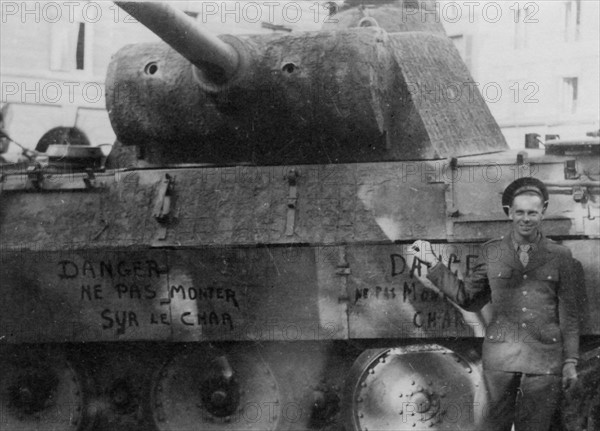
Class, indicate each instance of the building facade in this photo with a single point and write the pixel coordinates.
(536, 63)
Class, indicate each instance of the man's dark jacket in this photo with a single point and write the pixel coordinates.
(535, 318)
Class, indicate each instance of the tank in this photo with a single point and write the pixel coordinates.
(250, 269)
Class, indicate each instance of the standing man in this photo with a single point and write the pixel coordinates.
(532, 341)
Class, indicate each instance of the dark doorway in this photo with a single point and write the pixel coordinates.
(62, 136)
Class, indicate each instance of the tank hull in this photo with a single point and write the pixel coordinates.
(132, 281)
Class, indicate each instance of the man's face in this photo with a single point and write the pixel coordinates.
(526, 212)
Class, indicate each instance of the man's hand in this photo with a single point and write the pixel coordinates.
(423, 252)
(569, 376)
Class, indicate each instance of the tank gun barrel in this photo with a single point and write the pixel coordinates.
(217, 59)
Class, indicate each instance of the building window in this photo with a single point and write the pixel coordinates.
(69, 46)
(572, 10)
(569, 95)
(80, 52)
(521, 23)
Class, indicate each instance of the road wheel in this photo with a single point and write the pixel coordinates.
(427, 387)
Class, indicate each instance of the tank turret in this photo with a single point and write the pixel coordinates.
(351, 93)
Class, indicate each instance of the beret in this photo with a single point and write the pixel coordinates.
(520, 186)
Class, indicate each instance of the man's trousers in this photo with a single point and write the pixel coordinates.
(527, 400)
